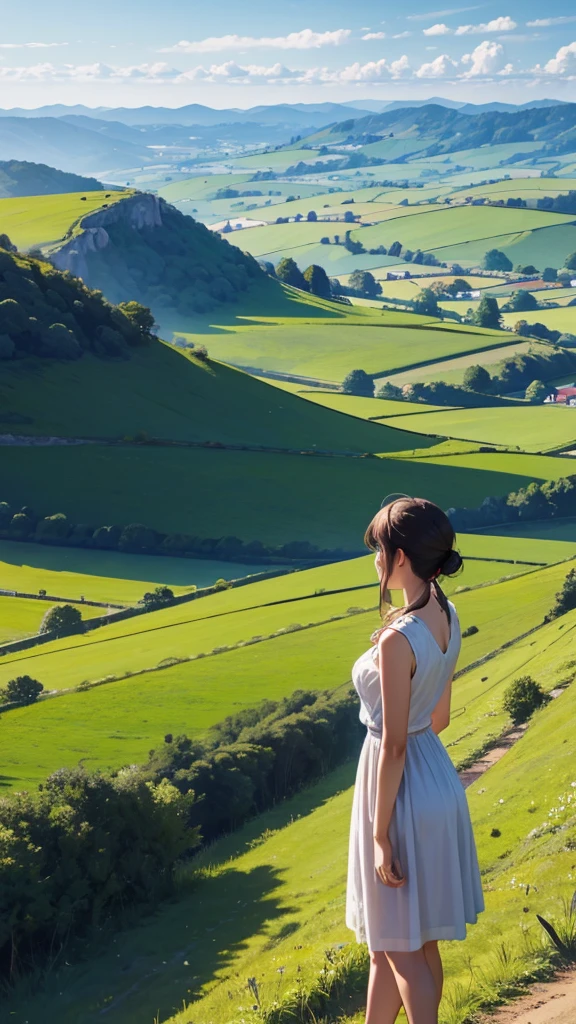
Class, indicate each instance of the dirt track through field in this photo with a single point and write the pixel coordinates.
(552, 1002)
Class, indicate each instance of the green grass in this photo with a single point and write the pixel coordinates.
(547, 247)
(279, 901)
(523, 188)
(42, 220)
(452, 370)
(561, 319)
(548, 540)
(441, 227)
(21, 617)
(109, 576)
(167, 395)
(254, 495)
(353, 405)
(107, 726)
(531, 429)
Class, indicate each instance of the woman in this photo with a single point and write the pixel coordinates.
(413, 873)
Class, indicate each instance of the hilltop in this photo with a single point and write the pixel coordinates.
(22, 178)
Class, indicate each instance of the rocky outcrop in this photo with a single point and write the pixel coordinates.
(137, 212)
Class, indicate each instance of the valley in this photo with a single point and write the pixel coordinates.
(225, 337)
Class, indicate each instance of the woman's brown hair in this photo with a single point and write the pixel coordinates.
(424, 533)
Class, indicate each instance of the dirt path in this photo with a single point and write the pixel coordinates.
(470, 775)
(552, 1002)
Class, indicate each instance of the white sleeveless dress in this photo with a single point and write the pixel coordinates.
(430, 829)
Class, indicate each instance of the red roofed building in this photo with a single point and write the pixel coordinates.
(565, 395)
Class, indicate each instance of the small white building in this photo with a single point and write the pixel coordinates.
(468, 295)
(398, 275)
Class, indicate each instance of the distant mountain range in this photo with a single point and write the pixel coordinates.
(447, 130)
(105, 141)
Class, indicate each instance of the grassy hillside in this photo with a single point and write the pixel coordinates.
(106, 727)
(540, 429)
(165, 393)
(252, 495)
(21, 617)
(272, 894)
(37, 220)
(19, 178)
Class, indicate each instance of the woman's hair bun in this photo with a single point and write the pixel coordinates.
(452, 563)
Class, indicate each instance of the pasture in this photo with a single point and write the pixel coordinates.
(126, 484)
(561, 319)
(109, 576)
(106, 726)
(544, 428)
(43, 220)
(273, 893)
(21, 617)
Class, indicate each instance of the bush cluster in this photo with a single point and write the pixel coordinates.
(24, 524)
(80, 854)
(46, 313)
(536, 501)
(91, 846)
(522, 698)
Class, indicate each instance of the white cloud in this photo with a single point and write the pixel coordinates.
(504, 24)
(547, 22)
(486, 59)
(230, 72)
(437, 30)
(402, 35)
(372, 71)
(374, 35)
(88, 72)
(442, 14)
(30, 46)
(304, 40)
(438, 68)
(564, 63)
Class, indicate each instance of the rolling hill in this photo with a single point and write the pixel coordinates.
(20, 178)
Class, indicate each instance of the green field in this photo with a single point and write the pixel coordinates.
(291, 882)
(109, 576)
(561, 319)
(523, 188)
(164, 394)
(452, 370)
(43, 220)
(107, 727)
(21, 617)
(254, 495)
(530, 429)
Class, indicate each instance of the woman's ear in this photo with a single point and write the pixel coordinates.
(400, 557)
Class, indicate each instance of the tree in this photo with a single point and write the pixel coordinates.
(458, 285)
(141, 316)
(549, 274)
(494, 259)
(395, 249)
(22, 690)
(317, 281)
(566, 597)
(529, 271)
(358, 382)
(477, 378)
(53, 528)
(137, 537)
(521, 301)
(62, 619)
(570, 261)
(349, 217)
(312, 215)
(157, 597)
(488, 313)
(536, 392)
(289, 272)
(365, 283)
(389, 390)
(6, 244)
(522, 698)
(426, 303)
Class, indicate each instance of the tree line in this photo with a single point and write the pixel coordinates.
(90, 846)
(136, 538)
(536, 501)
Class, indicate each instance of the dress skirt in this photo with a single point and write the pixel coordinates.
(431, 835)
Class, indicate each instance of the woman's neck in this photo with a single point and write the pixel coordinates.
(413, 589)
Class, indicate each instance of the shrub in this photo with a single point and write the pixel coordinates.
(157, 597)
(22, 690)
(496, 260)
(536, 392)
(471, 629)
(522, 698)
(358, 382)
(63, 620)
(477, 378)
(566, 597)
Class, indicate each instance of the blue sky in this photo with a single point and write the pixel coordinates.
(237, 55)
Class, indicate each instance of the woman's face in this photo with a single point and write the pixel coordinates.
(379, 563)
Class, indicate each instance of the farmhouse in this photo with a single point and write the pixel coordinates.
(398, 275)
(563, 396)
(468, 295)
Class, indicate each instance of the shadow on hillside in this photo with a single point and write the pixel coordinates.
(298, 806)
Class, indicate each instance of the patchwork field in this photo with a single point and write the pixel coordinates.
(530, 429)
(42, 220)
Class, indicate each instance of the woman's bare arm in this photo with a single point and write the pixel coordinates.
(396, 662)
(441, 713)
